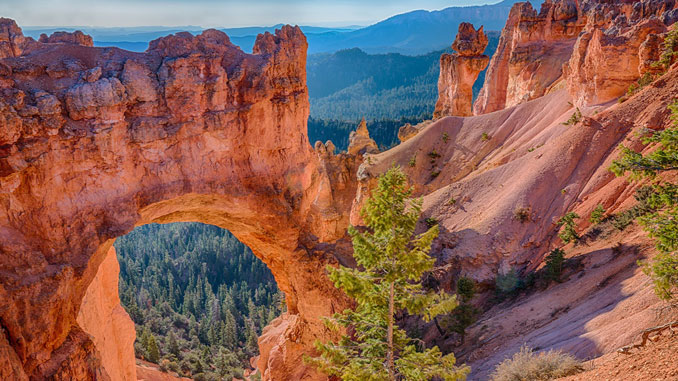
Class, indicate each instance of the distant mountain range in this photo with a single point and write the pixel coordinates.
(412, 33)
(416, 32)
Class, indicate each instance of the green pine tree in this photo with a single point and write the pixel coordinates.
(390, 263)
(568, 233)
(660, 221)
(153, 350)
(173, 347)
(597, 214)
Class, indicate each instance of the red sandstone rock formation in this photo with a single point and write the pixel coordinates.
(459, 71)
(532, 49)
(359, 141)
(102, 317)
(539, 50)
(75, 38)
(96, 141)
(617, 46)
(12, 41)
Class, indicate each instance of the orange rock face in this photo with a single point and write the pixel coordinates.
(459, 71)
(102, 317)
(532, 49)
(594, 46)
(75, 38)
(12, 41)
(359, 141)
(96, 141)
(612, 53)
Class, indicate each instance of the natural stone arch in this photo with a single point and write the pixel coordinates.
(96, 141)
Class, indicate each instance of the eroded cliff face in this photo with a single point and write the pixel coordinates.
(592, 46)
(532, 49)
(95, 141)
(459, 71)
(616, 47)
(102, 317)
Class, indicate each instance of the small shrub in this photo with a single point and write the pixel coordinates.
(431, 222)
(433, 155)
(413, 161)
(563, 191)
(647, 202)
(173, 366)
(575, 118)
(670, 49)
(485, 137)
(461, 318)
(527, 365)
(465, 314)
(534, 148)
(452, 201)
(568, 233)
(597, 214)
(466, 289)
(522, 214)
(164, 365)
(643, 81)
(446, 137)
(435, 174)
(622, 220)
(554, 265)
(508, 282)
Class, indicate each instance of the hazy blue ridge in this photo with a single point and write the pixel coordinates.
(412, 33)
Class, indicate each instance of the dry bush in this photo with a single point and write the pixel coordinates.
(522, 214)
(528, 365)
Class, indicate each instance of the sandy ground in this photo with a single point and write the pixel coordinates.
(657, 361)
(150, 372)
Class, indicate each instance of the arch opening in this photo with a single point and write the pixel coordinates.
(198, 299)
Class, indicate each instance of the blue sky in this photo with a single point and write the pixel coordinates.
(213, 13)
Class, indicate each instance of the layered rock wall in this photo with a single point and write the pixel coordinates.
(459, 71)
(617, 46)
(532, 49)
(96, 141)
(593, 46)
(102, 317)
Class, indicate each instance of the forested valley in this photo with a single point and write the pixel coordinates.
(388, 90)
(198, 297)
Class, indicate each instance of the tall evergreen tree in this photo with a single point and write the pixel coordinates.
(173, 347)
(391, 262)
(153, 350)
